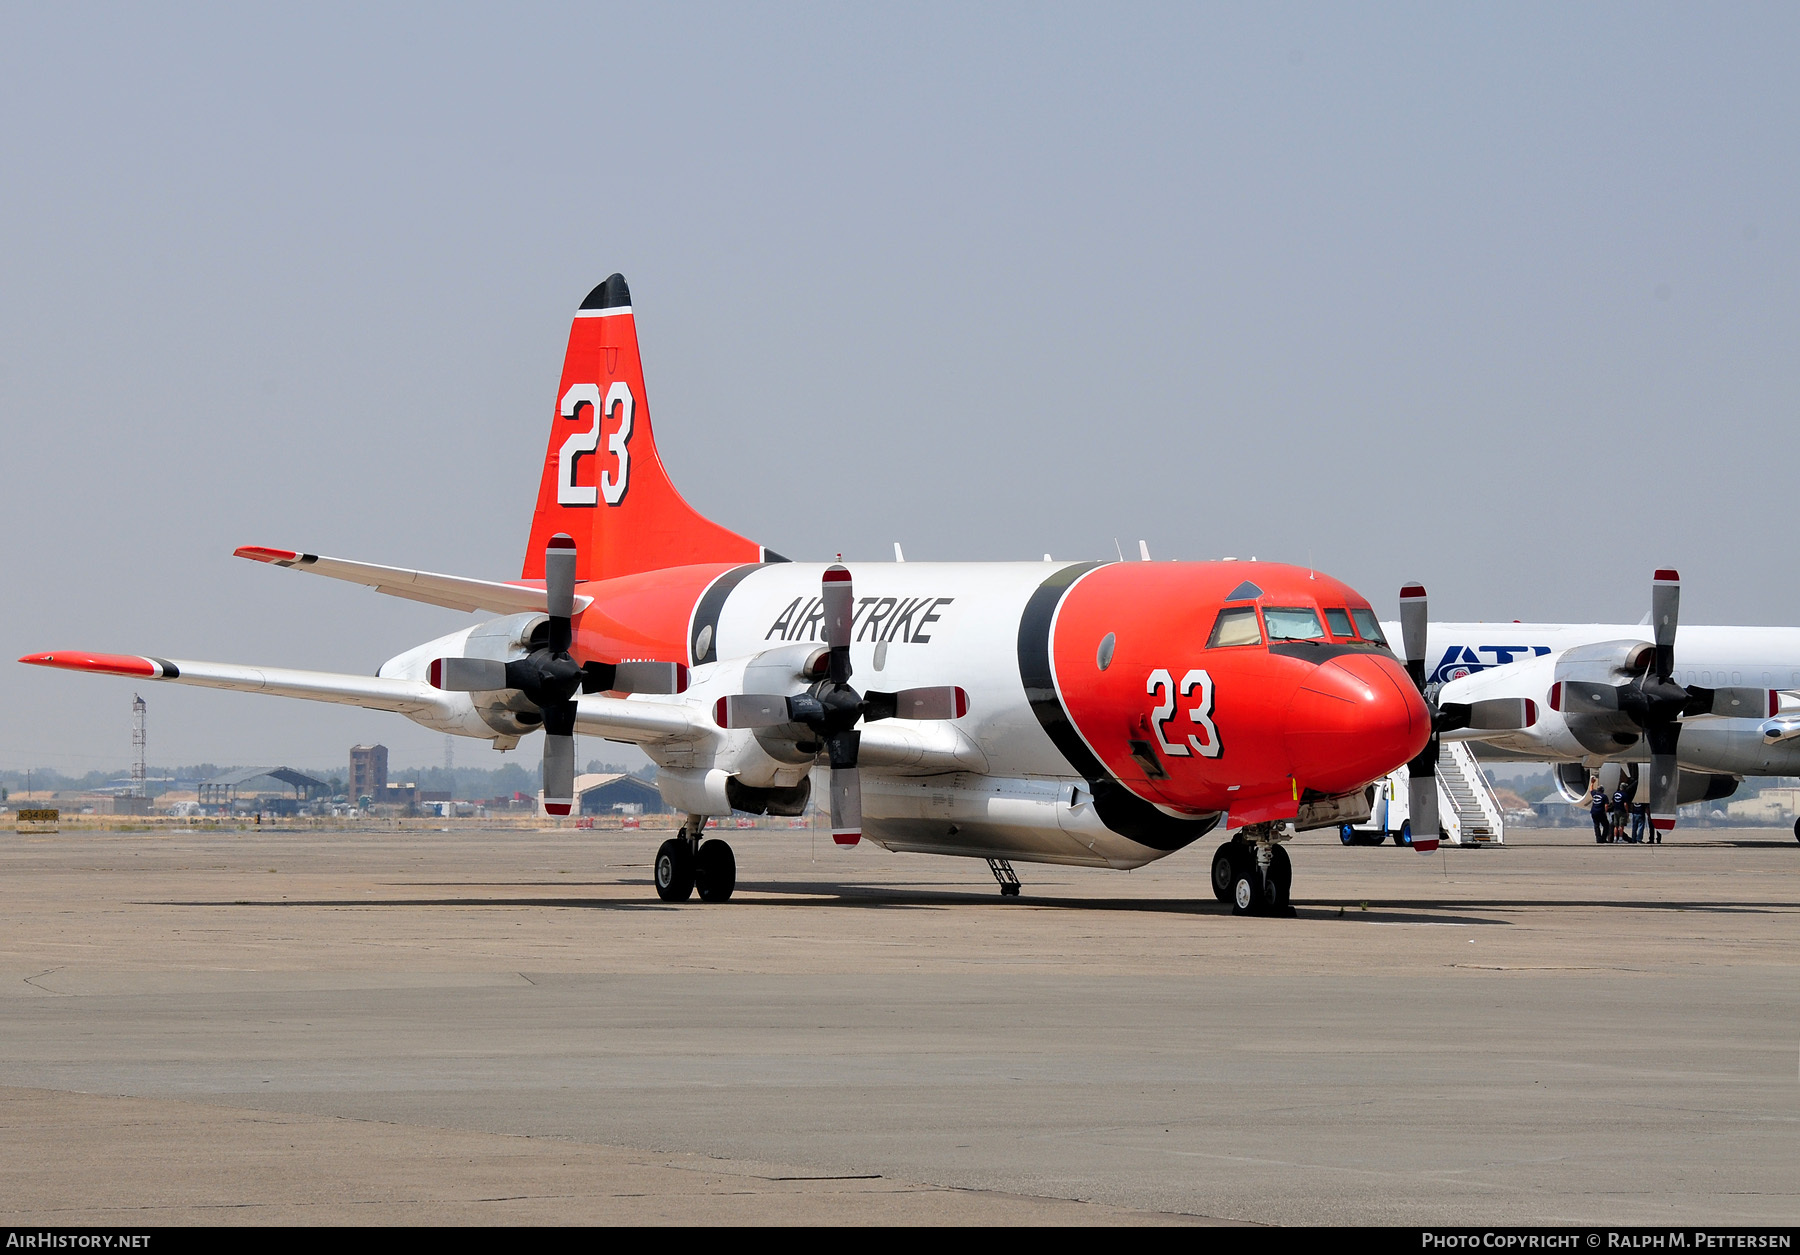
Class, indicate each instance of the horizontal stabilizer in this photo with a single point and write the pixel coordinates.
(456, 592)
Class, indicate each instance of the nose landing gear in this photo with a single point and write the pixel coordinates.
(685, 863)
(1253, 873)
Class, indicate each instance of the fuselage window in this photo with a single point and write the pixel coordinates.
(1236, 626)
(1371, 627)
(1292, 623)
(1340, 624)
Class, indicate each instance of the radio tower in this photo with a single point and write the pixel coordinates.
(138, 773)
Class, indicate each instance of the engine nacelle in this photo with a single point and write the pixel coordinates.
(1695, 786)
(502, 716)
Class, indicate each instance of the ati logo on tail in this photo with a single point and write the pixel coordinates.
(1461, 660)
(583, 401)
(877, 619)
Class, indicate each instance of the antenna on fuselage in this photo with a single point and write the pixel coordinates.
(1143, 551)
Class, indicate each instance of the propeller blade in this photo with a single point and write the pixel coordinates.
(1744, 703)
(559, 589)
(1665, 614)
(1422, 800)
(666, 678)
(840, 610)
(1665, 788)
(1490, 714)
(1412, 631)
(752, 710)
(846, 805)
(1580, 697)
(559, 773)
(468, 675)
(943, 701)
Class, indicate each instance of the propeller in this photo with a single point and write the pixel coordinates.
(1421, 772)
(830, 709)
(549, 678)
(1658, 702)
(1653, 700)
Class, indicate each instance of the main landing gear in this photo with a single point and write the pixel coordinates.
(685, 863)
(1253, 873)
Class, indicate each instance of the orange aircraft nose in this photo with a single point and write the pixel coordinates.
(1353, 720)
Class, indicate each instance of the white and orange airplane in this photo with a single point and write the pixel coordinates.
(1101, 714)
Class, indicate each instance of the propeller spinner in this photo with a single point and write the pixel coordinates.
(830, 709)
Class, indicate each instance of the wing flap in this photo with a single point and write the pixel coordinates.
(456, 592)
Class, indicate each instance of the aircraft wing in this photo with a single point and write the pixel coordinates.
(924, 748)
(457, 592)
(407, 697)
(640, 720)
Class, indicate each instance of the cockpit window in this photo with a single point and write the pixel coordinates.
(1236, 626)
(1339, 621)
(1293, 623)
(1371, 630)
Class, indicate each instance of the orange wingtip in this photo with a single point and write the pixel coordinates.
(259, 553)
(102, 664)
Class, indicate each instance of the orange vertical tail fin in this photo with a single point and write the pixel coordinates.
(603, 482)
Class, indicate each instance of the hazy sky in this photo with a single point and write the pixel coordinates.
(1505, 298)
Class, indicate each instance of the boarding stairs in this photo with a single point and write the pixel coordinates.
(1468, 811)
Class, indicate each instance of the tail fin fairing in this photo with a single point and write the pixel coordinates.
(603, 482)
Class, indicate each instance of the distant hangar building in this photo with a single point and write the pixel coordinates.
(279, 790)
(615, 793)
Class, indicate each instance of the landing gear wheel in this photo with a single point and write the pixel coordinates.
(715, 872)
(674, 870)
(1281, 879)
(1224, 864)
(1010, 891)
(1247, 894)
(1796, 832)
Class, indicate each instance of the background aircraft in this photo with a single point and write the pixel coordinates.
(1701, 706)
(1100, 714)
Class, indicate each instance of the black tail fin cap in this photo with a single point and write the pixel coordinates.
(612, 294)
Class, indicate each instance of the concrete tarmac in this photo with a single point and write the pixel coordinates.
(496, 1028)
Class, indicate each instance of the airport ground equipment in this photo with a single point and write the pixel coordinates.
(1469, 813)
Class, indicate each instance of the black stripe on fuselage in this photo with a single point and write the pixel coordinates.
(1040, 681)
(1118, 807)
(706, 616)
